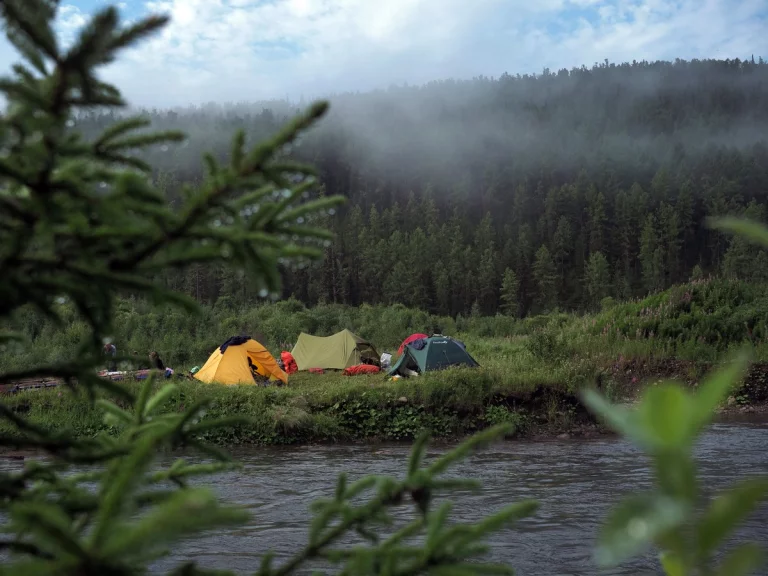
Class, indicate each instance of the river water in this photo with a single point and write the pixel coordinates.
(574, 481)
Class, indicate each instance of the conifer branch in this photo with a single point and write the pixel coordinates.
(81, 224)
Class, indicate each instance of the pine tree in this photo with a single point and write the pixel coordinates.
(524, 252)
(597, 278)
(597, 220)
(509, 289)
(563, 246)
(545, 275)
(651, 256)
(685, 214)
(487, 282)
(671, 242)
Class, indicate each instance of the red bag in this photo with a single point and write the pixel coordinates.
(361, 369)
(316, 371)
(289, 362)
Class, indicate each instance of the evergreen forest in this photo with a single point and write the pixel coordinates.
(522, 194)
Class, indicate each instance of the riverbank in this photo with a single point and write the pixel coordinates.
(328, 408)
(531, 369)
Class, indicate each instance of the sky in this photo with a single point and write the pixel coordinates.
(248, 50)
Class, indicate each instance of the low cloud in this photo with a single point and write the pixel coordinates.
(239, 50)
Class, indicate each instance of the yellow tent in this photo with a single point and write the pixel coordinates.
(231, 363)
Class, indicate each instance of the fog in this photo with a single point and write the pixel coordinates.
(450, 129)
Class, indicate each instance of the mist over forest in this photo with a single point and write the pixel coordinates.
(521, 194)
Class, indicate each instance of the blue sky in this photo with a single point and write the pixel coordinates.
(244, 50)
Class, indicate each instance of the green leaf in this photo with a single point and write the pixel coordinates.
(187, 512)
(417, 453)
(727, 511)
(436, 522)
(666, 412)
(160, 398)
(49, 525)
(141, 399)
(126, 474)
(507, 515)
(114, 411)
(25, 31)
(634, 524)
(676, 474)
(475, 442)
(753, 231)
(341, 487)
(672, 564)
(120, 128)
(742, 560)
(715, 388)
(621, 420)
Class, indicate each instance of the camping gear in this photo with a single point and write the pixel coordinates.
(289, 362)
(410, 339)
(437, 353)
(385, 361)
(229, 364)
(144, 374)
(342, 350)
(361, 369)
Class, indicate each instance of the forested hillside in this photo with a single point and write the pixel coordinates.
(520, 194)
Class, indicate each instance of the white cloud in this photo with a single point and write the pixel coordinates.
(231, 50)
(70, 20)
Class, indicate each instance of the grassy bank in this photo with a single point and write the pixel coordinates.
(530, 373)
(512, 386)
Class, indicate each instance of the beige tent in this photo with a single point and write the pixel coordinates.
(342, 350)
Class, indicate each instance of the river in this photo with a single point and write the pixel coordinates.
(574, 480)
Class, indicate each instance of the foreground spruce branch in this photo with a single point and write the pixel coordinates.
(80, 222)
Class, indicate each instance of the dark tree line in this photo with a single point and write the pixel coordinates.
(519, 194)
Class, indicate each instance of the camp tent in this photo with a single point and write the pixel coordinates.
(231, 363)
(336, 352)
(411, 338)
(433, 353)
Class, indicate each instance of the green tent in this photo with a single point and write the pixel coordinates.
(433, 353)
(342, 350)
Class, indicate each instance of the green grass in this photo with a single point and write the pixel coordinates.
(530, 369)
(331, 407)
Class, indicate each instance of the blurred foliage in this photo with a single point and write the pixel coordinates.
(665, 425)
(81, 224)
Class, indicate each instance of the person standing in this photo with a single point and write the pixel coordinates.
(157, 363)
(110, 351)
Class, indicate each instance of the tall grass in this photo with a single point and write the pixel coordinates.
(530, 368)
(701, 320)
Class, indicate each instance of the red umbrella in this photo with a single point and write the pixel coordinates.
(411, 338)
